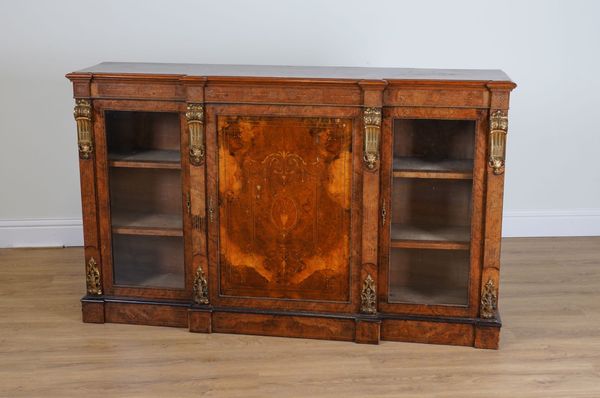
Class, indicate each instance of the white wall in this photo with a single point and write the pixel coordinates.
(550, 48)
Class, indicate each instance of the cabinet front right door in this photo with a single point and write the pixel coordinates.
(432, 172)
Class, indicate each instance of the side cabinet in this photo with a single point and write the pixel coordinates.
(337, 208)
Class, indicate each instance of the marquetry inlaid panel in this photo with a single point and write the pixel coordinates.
(284, 206)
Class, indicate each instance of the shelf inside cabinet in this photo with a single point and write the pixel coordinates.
(416, 167)
(145, 201)
(149, 158)
(147, 224)
(431, 277)
(430, 237)
(431, 296)
(148, 261)
(168, 281)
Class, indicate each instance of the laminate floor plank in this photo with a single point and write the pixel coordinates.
(550, 342)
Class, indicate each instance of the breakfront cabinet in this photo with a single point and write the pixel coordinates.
(352, 204)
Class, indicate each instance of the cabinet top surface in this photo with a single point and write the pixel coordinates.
(296, 72)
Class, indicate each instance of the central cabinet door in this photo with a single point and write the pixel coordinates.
(285, 188)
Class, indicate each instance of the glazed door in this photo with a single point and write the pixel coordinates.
(285, 208)
(141, 199)
(430, 244)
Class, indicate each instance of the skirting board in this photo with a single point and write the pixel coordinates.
(45, 232)
(539, 223)
(517, 223)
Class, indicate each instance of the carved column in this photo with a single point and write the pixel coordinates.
(85, 143)
(200, 313)
(196, 199)
(371, 137)
(487, 332)
(368, 324)
(498, 128)
(92, 303)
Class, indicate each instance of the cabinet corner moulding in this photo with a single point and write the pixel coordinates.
(352, 204)
(195, 120)
(498, 132)
(83, 117)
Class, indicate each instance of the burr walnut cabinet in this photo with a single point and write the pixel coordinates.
(351, 204)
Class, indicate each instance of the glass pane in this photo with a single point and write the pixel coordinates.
(431, 211)
(148, 261)
(145, 199)
(429, 276)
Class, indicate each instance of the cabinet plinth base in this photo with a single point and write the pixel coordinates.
(200, 320)
(474, 332)
(92, 310)
(487, 337)
(368, 330)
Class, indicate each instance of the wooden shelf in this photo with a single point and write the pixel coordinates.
(151, 158)
(147, 224)
(413, 167)
(165, 280)
(431, 296)
(430, 237)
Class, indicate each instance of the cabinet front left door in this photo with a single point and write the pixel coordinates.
(142, 200)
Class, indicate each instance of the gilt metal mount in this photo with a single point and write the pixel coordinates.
(489, 300)
(94, 286)
(368, 298)
(83, 117)
(498, 131)
(372, 123)
(195, 120)
(200, 287)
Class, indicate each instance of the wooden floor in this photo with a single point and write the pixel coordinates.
(550, 304)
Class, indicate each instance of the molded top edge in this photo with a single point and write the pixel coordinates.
(296, 72)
